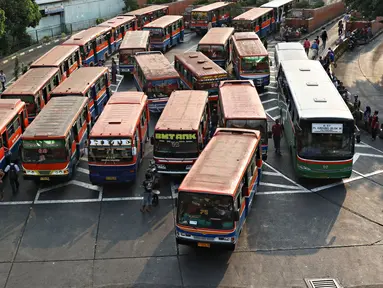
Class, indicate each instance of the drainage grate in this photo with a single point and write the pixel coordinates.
(322, 283)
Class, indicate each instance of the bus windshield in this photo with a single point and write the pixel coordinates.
(161, 88)
(112, 153)
(200, 16)
(126, 56)
(260, 125)
(326, 146)
(175, 148)
(258, 64)
(156, 33)
(44, 151)
(205, 211)
(213, 51)
(240, 26)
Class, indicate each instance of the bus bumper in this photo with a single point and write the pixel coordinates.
(112, 174)
(205, 244)
(47, 178)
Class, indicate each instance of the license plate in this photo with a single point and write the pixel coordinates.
(44, 178)
(206, 245)
(111, 178)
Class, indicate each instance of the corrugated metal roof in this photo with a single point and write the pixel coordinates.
(217, 36)
(248, 44)
(213, 6)
(135, 40)
(117, 21)
(87, 35)
(163, 21)
(253, 14)
(55, 56)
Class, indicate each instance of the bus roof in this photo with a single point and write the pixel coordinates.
(249, 44)
(210, 7)
(253, 14)
(288, 55)
(135, 40)
(11, 104)
(163, 21)
(146, 10)
(87, 35)
(31, 82)
(217, 36)
(55, 56)
(289, 46)
(120, 115)
(200, 64)
(240, 100)
(117, 21)
(57, 118)
(221, 165)
(313, 92)
(276, 3)
(183, 111)
(80, 81)
(155, 66)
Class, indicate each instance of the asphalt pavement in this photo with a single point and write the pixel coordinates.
(80, 235)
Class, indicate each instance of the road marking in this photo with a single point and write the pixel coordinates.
(38, 47)
(285, 177)
(284, 192)
(43, 190)
(57, 40)
(376, 149)
(362, 145)
(84, 158)
(278, 185)
(30, 50)
(355, 158)
(270, 100)
(82, 170)
(66, 201)
(133, 198)
(369, 155)
(16, 203)
(86, 185)
(272, 109)
(23, 53)
(6, 61)
(270, 173)
(14, 57)
(271, 87)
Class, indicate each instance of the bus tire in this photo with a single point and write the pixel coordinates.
(231, 247)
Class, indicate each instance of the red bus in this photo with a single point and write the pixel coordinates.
(120, 25)
(13, 122)
(55, 141)
(94, 44)
(148, 14)
(65, 57)
(34, 88)
(256, 20)
(117, 140)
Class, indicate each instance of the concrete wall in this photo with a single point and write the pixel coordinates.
(375, 25)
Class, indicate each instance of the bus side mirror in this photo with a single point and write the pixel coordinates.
(236, 215)
(269, 134)
(151, 141)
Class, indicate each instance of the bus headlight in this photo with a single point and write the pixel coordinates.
(161, 166)
(30, 172)
(188, 167)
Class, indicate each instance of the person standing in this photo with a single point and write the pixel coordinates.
(3, 79)
(277, 135)
(366, 116)
(324, 37)
(374, 119)
(340, 27)
(315, 49)
(114, 71)
(307, 45)
(13, 170)
(375, 129)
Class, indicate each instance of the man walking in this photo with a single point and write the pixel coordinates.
(277, 135)
(13, 170)
(307, 45)
(114, 71)
(3, 79)
(324, 37)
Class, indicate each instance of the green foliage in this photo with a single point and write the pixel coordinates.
(16, 70)
(317, 4)
(130, 5)
(2, 22)
(159, 1)
(99, 20)
(236, 9)
(302, 4)
(369, 8)
(201, 2)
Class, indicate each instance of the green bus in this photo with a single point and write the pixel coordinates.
(318, 125)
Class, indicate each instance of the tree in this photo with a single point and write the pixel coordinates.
(2, 22)
(130, 5)
(368, 8)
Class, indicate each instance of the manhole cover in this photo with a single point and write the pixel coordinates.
(323, 283)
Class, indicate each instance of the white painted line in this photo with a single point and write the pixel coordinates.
(356, 172)
(191, 48)
(16, 203)
(6, 61)
(43, 190)
(370, 155)
(271, 117)
(66, 201)
(82, 170)
(100, 195)
(132, 198)
(85, 185)
(271, 87)
(284, 192)
(278, 185)
(30, 50)
(376, 149)
(115, 85)
(21, 54)
(84, 158)
(14, 57)
(57, 40)
(356, 157)
(273, 82)
(272, 109)
(362, 145)
(285, 177)
(270, 100)
(38, 47)
(49, 43)
(271, 173)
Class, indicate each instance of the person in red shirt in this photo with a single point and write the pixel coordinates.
(307, 46)
(277, 135)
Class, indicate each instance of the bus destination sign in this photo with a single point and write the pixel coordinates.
(175, 136)
(327, 128)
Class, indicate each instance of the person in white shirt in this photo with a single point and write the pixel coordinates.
(13, 170)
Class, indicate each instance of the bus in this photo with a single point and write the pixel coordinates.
(165, 32)
(217, 45)
(240, 107)
(94, 44)
(148, 14)
(134, 41)
(14, 121)
(318, 125)
(281, 8)
(34, 88)
(198, 72)
(156, 77)
(120, 25)
(256, 20)
(211, 15)
(55, 141)
(216, 196)
(250, 59)
(182, 132)
(90, 82)
(117, 140)
(287, 51)
(67, 58)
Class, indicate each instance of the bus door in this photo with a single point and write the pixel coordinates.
(23, 119)
(137, 150)
(107, 86)
(45, 94)
(144, 133)
(64, 69)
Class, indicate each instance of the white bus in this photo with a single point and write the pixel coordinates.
(286, 51)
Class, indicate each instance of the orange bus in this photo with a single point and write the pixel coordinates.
(55, 141)
(198, 72)
(148, 14)
(65, 57)
(90, 82)
(217, 45)
(120, 25)
(117, 140)
(256, 20)
(166, 32)
(241, 107)
(134, 41)
(34, 88)
(94, 44)
(213, 15)
(182, 131)
(13, 122)
(216, 195)
(156, 77)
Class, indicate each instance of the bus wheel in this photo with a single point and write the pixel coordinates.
(231, 247)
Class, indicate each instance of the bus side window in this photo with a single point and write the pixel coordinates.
(56, 80)
(250, 171)
(4, 139)
(45, 95)
(75, 130)
(12, 127)
(143, 118)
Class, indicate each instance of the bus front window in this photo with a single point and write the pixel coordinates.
(326, 146)
(175, 145)
(259, 64)
(200, 16)
(44, 151)
(205, 49)
(126, 57)
(161, 89)
(205, 211)
(217, 51)
(156, 34)
(110, 150)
